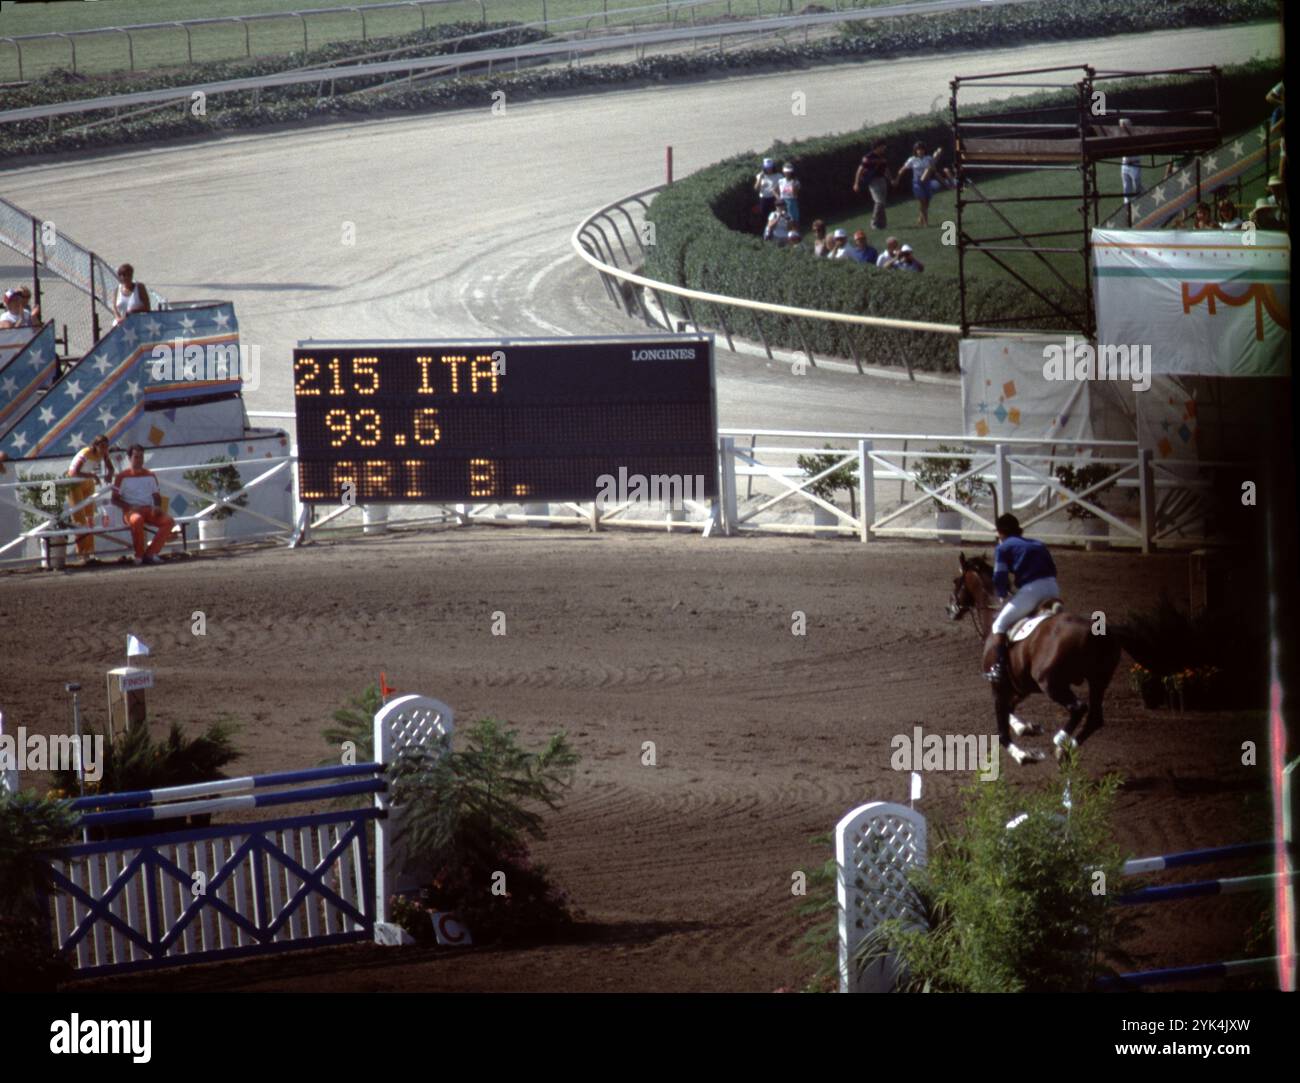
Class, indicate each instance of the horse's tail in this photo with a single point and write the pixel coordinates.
(1139, 648)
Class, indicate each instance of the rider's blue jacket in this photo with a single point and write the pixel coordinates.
(1024, 558)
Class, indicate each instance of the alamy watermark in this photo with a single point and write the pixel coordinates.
(179, 362)
(922, 751)
(53, 752)
(1082, 361)
(670, 490)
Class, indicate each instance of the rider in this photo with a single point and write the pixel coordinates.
(1032, 565)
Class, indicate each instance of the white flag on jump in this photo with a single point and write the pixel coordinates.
(135, 646)
(916, 785)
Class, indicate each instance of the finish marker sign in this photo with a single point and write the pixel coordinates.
(509, 422)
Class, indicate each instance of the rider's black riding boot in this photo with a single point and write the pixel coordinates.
(1002, 663)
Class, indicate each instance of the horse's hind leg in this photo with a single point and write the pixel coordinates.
(1061, 692)
(1097, 685)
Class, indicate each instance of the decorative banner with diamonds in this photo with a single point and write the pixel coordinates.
(1003, 392)
(153, 357)
(1207, 303)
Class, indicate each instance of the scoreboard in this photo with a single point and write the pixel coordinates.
(505, 421)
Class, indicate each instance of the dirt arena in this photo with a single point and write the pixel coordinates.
(764, 739)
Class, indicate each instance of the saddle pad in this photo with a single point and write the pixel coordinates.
(1025, 628)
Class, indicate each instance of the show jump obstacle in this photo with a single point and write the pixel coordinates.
(202, 893)
(877, 843)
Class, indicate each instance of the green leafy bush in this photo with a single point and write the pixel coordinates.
(941, 474)
(49, 493)
(1076, 479)
(216, 481)
(354, 723)
(468, 818)
(1016, 910)
(846, 477)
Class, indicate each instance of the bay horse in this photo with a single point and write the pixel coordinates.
(1061, 652)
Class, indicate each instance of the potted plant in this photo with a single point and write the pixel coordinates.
(846, 477)
(943, 474)
(49, 494)
(1077, 479)
(216, 481)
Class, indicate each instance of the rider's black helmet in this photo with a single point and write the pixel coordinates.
(1009, 525)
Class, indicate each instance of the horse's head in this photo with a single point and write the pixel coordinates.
(971, 588)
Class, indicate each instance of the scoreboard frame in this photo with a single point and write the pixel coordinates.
(450, 421)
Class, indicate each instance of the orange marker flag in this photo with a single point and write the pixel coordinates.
(384, 690)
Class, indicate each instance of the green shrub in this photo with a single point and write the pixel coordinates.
(846, 477)
(468, 818)
(940, 475)
(216, 481)
(354, 723)
(1016, 910)
(1076, 479)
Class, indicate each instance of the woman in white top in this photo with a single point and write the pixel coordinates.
(131, 295)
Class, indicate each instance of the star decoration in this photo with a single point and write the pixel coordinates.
(9, 386)
(129, 334)
(101, 364)
(153, 327)
(73, 389)
(221, 319)
(187, 325)
(1237, 149)
(1158, 193)
(46, 416)
(133, 389)
(1211, 163)
(1184, 181)
(19, 442)
(77, 439)
(105, 416)
(39, 357)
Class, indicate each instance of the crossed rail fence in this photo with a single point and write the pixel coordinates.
(763, 488)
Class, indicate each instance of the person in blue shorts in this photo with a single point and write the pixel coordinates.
(1035, 575)
(928, 178)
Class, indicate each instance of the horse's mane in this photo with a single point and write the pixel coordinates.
(980, 565)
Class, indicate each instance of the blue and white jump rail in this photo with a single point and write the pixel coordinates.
(1199, 889)
(198, 894)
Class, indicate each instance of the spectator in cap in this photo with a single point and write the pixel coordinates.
(15, 313)
(859, 251)
(766, 182)
(1277, 198)
(835, 244)
(907, 260)
(788, 190)
(872, 176)
(1264, 216)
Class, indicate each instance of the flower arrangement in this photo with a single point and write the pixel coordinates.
(1194, 688)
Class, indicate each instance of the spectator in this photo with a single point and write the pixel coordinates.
(766, 184)
(1276, 98)
(793, 238)
(31, 312)
(907, 260)
(778, 226)
(872, 175)
(1228, 216)
(835, 245)
(89, 465)
(1277, 198)
(859, 251)
(887, 257)
(1204, 217)
(1264, 216)
(788, 190)
(925, 178)
(136, 492)
(131, 295)
(820, 240)
(1130, 167)
(13, 315)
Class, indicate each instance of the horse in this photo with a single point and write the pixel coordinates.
(1061, 652)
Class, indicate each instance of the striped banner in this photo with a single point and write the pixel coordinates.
(24, 373)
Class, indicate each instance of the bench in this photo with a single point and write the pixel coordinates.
(182, 528)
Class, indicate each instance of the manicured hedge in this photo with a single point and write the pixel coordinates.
(699, 241)
(1044, 20)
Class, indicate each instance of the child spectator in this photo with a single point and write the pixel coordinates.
(1204, 217)
(766, 183)
(136, 492)
(788, 190)
(872, 175)
(1228, 216)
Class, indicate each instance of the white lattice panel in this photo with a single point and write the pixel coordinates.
(407, 722)
(875, 844)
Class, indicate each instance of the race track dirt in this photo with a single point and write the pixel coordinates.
(764, 739)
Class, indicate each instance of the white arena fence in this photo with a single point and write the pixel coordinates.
(190, 893)
(762, 490)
